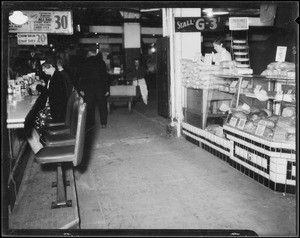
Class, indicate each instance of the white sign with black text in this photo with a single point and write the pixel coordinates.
(58, 22)
(32, 39)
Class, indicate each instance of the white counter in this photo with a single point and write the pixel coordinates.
(18, 107)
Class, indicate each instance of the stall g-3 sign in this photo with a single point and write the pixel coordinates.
(58, 22)
(199, 24)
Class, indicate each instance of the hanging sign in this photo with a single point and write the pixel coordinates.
(32, 39)
(238, 23)
(199, 24)
(57, 22)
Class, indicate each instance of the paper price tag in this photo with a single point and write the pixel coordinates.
(233, 121)
(257, 88)
(241, 123)
(244, 84)
(280, 53)
(260, 128)
(233, 84)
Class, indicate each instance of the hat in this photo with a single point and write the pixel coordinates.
(49, 60)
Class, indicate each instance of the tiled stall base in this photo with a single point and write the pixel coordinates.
(220, 147)
(271, 164)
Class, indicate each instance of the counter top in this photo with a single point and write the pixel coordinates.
(18, 107)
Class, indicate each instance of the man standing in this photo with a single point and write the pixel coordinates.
(94, 83)
(137, 75)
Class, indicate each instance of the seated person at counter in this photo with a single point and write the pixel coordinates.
(136, 74)
(61, 69)
(51, 104)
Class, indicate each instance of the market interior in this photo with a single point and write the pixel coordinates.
(110, 195)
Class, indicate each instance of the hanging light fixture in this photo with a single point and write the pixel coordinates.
(216, 11)
(18, 18)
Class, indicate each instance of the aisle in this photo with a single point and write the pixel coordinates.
(135, 176)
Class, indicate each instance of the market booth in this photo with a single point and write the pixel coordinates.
(246, 118)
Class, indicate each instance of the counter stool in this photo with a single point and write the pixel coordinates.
(63, 139)
(63, 127)
(65, 154)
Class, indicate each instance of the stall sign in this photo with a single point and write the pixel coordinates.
(32, 39)
(57, 22)
(199, 24)
(238, 23)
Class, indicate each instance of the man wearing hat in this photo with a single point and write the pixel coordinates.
(95, 84)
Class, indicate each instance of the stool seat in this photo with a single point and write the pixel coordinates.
(56, 154)
(58, 140)
(58, 129)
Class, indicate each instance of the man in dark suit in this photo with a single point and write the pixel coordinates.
(56, 90)
(54, 95)
(94, 83)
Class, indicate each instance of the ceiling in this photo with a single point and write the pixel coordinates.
(108, 12)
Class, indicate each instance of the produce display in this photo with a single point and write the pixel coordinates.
(216, 130)
(276, 128)
(281, 69)
(195, 75)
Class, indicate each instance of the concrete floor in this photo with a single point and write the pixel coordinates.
(136, 176)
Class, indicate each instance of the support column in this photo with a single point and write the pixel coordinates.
(131, 37)
(182, 46)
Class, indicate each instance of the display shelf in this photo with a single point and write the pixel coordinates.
(255, 151)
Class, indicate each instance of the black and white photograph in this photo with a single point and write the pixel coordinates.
(149, 118)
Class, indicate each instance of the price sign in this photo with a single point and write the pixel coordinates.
(260, 129)
(233, 84)
(280, 53)
(32, 39)
(238, 23)
(244, 84)
(241, 123)
(58, 22)
(233, 121)
(257, 88)
(199, 24)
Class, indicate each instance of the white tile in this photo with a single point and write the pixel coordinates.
(282, 161)
(281, 169)
(253, 159)
(273, 176)
(293, 170)
(258, 160)
(281, 178)
(264, 163)
(273, 167)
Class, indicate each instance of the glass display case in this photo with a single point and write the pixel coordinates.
(261, 127)
(264, 107)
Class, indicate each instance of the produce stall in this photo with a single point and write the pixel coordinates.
(258, 135)
(207, 96)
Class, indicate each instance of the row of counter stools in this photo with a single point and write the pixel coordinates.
(63, 143)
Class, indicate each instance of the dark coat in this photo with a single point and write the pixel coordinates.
(94, 76)
(136, 73)
(58, 96)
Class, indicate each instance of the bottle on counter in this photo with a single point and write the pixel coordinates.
(10, 90)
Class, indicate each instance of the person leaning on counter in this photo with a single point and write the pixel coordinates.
(53, 95)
